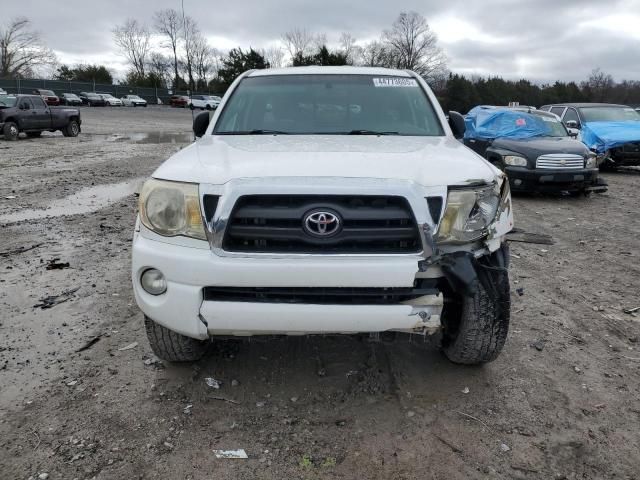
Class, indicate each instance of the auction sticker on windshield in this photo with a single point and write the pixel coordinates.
(394, 82)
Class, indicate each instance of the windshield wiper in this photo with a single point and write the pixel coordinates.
(370, 132)
(257, 131)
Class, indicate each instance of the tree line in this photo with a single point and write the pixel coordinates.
(172, 52)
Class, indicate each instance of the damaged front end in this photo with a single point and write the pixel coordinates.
(470, 254)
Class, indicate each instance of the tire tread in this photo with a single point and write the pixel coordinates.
(171, 346)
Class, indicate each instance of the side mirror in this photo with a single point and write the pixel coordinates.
(456, 122)
(200, 124)
(572, 124)
(573, 132)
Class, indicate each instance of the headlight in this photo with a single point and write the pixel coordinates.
(468, 214)
(515, 161)
(591, 161)
(171, 209)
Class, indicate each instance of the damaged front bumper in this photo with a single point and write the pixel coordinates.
(187, 308)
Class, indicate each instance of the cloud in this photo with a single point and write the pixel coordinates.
(542, 40)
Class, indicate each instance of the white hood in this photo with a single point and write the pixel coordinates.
(429, 161)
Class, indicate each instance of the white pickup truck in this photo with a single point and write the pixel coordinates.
(325, 200)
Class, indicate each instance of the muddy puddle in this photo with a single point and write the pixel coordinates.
(84, 201)
(143, 137)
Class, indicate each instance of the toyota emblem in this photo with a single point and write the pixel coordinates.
(322, 223)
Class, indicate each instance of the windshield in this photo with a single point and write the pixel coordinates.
(555, 128)
(47, 92)
(329, 104)
(610, 114)
(8, 101)
(70, 95)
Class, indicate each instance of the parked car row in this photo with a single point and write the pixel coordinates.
(557, 147)
(203, 102)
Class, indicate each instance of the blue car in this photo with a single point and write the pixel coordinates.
(612, 131)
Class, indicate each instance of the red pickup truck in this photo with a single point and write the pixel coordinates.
(48, 96)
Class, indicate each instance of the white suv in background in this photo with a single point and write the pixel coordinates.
(204, 102)
(325, 200)
(133, 101)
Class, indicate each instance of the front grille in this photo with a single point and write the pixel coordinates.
(368, 224)
(560, 161)
(321, 295)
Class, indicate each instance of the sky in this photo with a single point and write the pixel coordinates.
(542, 40)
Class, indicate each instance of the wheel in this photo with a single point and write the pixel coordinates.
(33, 134)
(171, 346)
(71, 130)
(208, 107)
(476, 327)
(10, 131)
(145, 105)
(192, 107)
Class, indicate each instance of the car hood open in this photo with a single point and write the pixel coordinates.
(429, 161)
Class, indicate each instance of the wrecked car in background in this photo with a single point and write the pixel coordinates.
(534, 149)
(325, 200)
(612, 131)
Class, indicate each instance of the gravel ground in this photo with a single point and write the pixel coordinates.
(561, 402)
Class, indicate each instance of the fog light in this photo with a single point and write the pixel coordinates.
(153, 282)
(517, 182)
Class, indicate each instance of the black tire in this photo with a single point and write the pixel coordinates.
(192, 107)
(10, 131)
(171, 346)
(208, 107)
(34, 134)
(71, 130)
(476, 327)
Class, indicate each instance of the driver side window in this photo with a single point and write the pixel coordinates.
(25, 104)
(570, 115)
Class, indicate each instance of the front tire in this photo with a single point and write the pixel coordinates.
(71, 130)
(171, 346)
(11, 131)
(476, 327)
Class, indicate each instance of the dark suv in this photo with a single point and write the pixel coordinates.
(612, 131)
(533, 148)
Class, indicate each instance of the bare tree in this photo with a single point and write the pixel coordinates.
(160, 66)
(414, 46)
(598, 85)
(168, 23)
(203, 59)
(376, 54)
(190, 38)
(349, 47)
(133, 40)
(319, 41)
(297, 41)
(274, 56)
(21, 50)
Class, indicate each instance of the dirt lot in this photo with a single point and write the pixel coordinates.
(561, 402)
